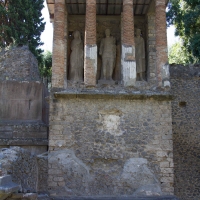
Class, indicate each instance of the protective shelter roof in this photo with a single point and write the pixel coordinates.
(104, 7)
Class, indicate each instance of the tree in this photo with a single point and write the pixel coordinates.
(21, 21)
(178, 54)
(185, 15)
(46, 64)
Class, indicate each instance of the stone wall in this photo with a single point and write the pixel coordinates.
(185, 82)
(95, 139)
(22, 165)
(42, 161)
(30, 172)
(18, 64)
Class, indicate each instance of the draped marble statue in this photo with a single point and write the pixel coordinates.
(108, 54)
(76, 58)
(139, 54)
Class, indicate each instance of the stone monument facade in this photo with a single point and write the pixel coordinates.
(111, 134)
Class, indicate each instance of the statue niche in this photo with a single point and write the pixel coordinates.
(76, 58)
(140, 54)
(108, 53)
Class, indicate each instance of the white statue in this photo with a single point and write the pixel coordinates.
(139, 54)
(76, 58)
(108, 53)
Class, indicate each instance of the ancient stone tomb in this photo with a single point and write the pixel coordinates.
(110, 110)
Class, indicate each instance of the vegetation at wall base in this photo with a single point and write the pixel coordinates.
(45, 67)
(185, 16)
(21, 23)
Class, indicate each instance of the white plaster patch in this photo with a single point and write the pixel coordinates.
(165, 71)
(110, 121)
(128, 67)
(91, 53)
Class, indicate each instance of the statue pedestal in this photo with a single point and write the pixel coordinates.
(106, 82)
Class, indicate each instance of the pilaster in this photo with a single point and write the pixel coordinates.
(128, 45)
(59, 45)
(162, 67)
(90, 53)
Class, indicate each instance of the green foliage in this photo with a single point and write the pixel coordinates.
(46, 65)
(185, 15)
(178, 54)
(21, 21)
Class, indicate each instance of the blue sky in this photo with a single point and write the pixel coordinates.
(47, 35)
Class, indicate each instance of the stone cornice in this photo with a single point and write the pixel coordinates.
(114, 95)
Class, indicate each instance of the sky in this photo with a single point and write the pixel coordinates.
(47, 35)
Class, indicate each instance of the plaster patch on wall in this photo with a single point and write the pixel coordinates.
(128, 69)
(110, 121)
(91, 53)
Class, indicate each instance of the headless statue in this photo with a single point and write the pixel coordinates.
(108, 53)
(76, 58)
(139, 54)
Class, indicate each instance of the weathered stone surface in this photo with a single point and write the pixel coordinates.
(69, 176)
(137, 175)
(185, 82)
(7, 187)
(120, 198)
(42, 164)
(21, 100)
(22, 166)
(105, 133)
(149, 190)
(18, 64)
(72, 175)
(21, 196)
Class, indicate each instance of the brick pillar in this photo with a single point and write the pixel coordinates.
(128, 45)
(59, 45)
(161, 44)
(90, 54)
(151, 48)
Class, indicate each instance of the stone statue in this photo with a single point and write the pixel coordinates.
(139, 54)
(108, 53)
(76, 58)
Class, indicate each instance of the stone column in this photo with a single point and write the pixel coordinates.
(162, 67)
(128, 45)
(90, 54)
(59, 45)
